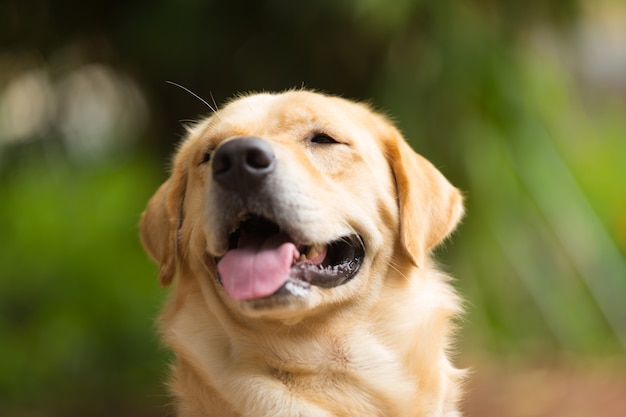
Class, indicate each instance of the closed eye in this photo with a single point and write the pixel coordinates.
(206, 157)
(322, 138)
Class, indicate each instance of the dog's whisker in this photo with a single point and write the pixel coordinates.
(353, 233)
(189, 121)
(393, 266)
(213, 108)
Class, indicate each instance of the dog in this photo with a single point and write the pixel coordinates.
(298, 229)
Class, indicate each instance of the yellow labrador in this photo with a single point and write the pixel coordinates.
(299, 228)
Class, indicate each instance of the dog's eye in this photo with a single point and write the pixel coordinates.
(322, 138)
(206, 157)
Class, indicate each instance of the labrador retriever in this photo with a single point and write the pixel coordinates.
(298, 228)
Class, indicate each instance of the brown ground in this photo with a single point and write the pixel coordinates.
(566, 391)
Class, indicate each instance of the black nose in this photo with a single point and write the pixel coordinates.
(242, 163)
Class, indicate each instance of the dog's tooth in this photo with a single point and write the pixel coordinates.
(313, 252)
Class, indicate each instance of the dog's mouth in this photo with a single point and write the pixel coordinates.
(263, 261)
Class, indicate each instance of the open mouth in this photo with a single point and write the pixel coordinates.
(263, 261)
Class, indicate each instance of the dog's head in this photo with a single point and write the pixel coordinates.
(282, 204)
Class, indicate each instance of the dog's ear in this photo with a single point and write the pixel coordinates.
(160, 223)
(430, 207)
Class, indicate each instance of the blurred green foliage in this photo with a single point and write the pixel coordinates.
(477, 87)
(78, 296)
(548, 273)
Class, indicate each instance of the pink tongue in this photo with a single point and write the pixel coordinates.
(258, 267)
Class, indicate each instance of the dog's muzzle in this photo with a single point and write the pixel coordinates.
(263, 260)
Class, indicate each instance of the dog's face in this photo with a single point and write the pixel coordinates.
(285, 205)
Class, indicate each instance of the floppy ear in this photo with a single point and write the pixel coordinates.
(160, 223)
(430, 207)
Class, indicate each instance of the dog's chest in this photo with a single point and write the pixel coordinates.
(354, 376)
